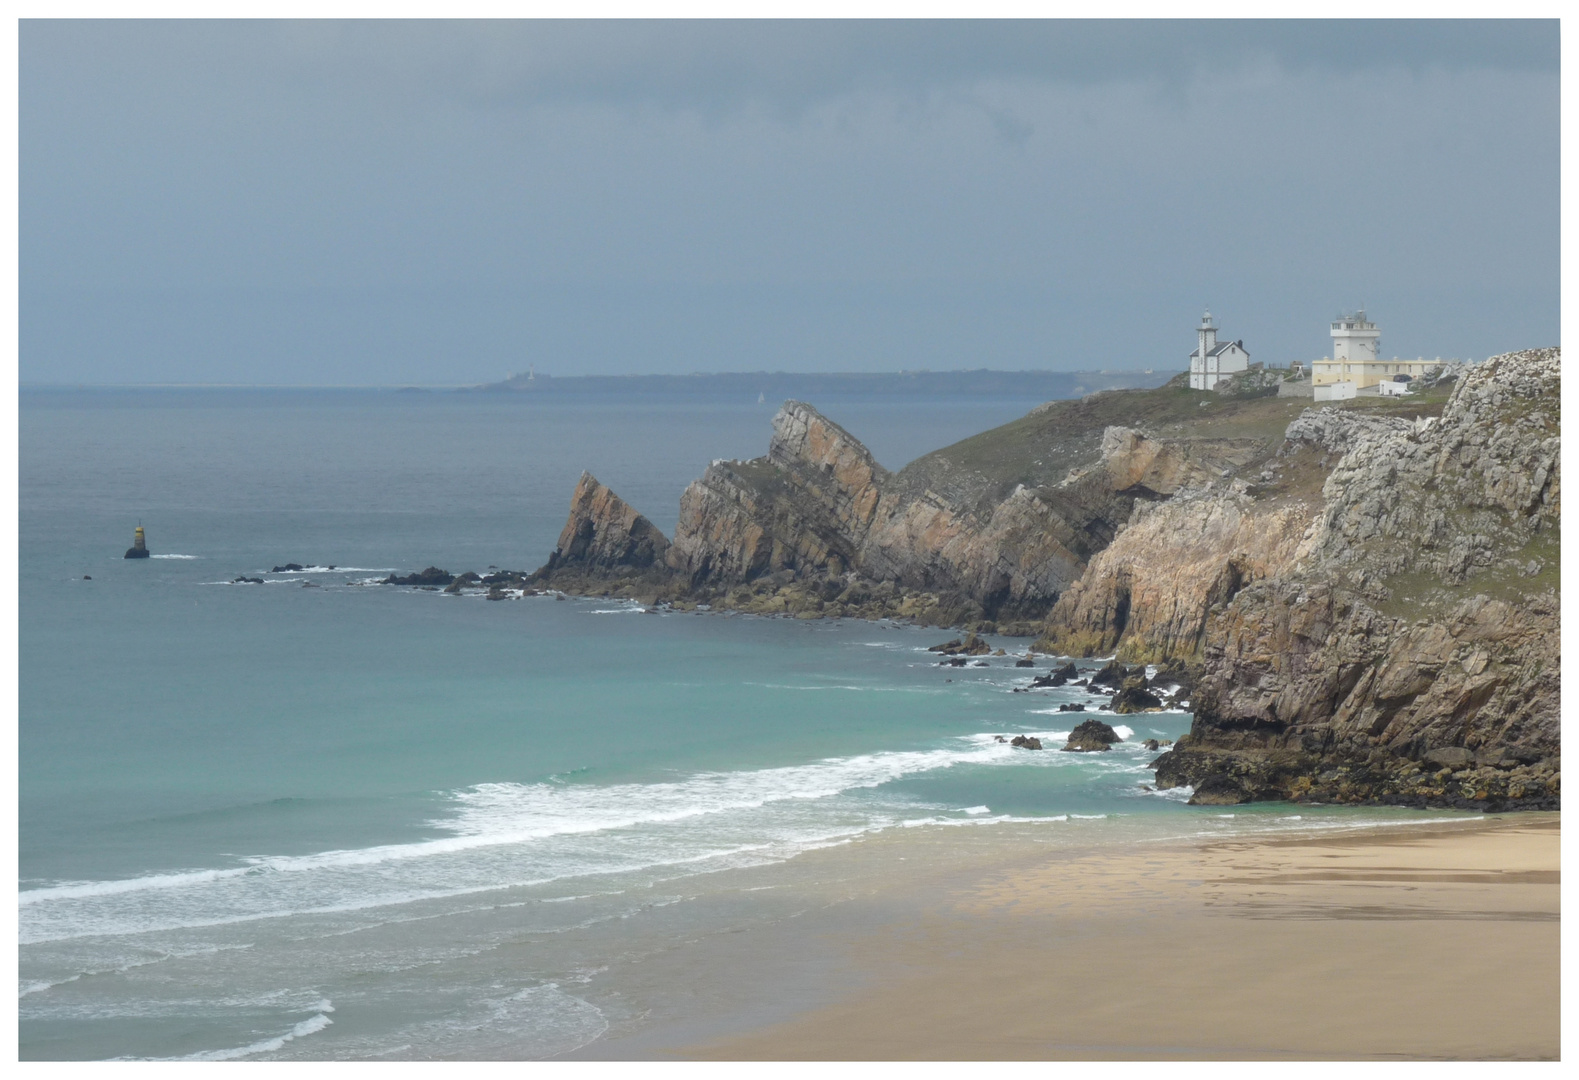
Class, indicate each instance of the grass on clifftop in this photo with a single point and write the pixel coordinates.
(1040, 448)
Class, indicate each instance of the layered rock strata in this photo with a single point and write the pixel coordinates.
(818, 527)
(604, 534)
(1149, 594)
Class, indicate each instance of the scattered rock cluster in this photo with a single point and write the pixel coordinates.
(970, 645)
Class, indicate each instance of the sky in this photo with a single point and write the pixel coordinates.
(445, 203)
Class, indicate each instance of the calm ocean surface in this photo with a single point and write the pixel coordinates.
(356, 821)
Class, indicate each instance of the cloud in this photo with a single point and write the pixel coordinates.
(442, 198)
(784, 66)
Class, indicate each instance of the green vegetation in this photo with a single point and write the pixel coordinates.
(1040, 448)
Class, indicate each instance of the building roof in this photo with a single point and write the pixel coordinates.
(1221, 348)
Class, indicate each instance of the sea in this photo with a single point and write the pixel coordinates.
(325, 818)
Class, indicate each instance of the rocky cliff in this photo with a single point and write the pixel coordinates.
(1408, 652)
(1148, 595)
(1366, 594)
(987, 533)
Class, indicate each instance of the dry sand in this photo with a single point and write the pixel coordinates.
(1425, 942)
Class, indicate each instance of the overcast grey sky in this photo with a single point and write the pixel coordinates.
(447, 202)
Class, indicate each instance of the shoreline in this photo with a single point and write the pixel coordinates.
(1425, 942)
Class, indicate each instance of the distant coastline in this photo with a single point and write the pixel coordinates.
(773, 387)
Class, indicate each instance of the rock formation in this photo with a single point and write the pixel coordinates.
(604, 533)
(1091, 735)
(430, 577)
(1360, 601)
(1174, 562)
(1410, 652)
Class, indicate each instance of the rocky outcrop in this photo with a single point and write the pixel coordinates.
(819, 504)
(806, 506)
(971, 645)
(430, 577)
(1411, 652)
(1134, 697)
(1091, 735)
(1138, 463)
(992, 530)
(605, 534)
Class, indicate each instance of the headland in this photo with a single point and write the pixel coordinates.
(1364, 593)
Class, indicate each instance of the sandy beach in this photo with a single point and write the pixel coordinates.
(1425, 942)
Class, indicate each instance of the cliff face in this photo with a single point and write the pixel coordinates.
(993, 529)
(1003, 535)
(806, 506)
(1409, 652)
(1149, 594)
(819, 504)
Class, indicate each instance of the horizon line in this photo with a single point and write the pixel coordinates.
(78, 385)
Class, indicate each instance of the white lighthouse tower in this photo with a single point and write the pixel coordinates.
(1211, 361)
(1355, 340)
(1356, 344)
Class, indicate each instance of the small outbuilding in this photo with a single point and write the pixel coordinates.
(1341, 390)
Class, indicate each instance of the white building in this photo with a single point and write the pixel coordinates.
(1341, 390)
(1356, 356)
(1211, 361)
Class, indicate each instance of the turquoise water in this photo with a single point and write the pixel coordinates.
(352, 820)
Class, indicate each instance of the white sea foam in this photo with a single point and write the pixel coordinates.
(509, 834)
(336, 569)
(38, 986)
(310, 1026)
(846, 686)
(70, 890)
(175, 556)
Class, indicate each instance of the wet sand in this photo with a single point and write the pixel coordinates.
(1426, 942)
